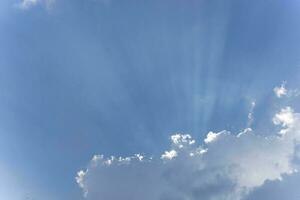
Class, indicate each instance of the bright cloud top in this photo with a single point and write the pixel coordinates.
(226, 166)
(284, 117)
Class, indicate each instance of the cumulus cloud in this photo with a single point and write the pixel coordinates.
(225, 166)
(27, 4)
(284, 117)
(280, 91)
(283, 91)
(169, 155)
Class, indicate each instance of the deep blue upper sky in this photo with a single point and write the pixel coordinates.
(118, 77)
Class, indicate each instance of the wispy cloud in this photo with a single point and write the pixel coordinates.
(250, 114)
(27, 4)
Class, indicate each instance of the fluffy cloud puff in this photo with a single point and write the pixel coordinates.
(282, 91)
(225, 167)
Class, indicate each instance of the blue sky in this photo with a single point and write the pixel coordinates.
(80, 78)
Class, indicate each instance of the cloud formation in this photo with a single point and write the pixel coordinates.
(27, 4)
(250, 114)
(282, 91)
(225, 167)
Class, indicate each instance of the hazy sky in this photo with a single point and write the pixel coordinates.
(84, 78)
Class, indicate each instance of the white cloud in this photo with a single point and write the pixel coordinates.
(211, 136)
(281, 91)
(169, 155)
(285, 117)
(182, 139)
(79, 178)
(225, 167)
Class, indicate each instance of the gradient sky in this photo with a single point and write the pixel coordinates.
(118, 77)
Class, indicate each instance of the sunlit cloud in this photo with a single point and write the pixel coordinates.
(225, 166)
(282, 91)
